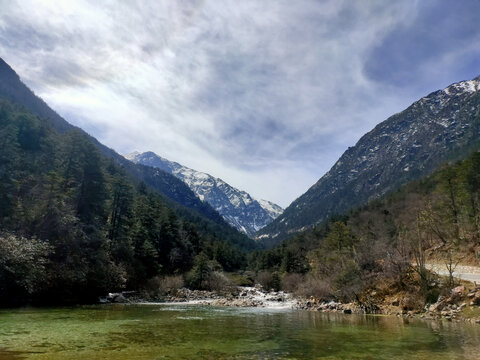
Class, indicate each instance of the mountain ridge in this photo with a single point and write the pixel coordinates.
(438, 127)
(237, 207)
(176, 192)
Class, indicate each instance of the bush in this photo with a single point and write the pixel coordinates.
(269, 281)
(291, 282)
(166, 285)
(200, 273)
(244, 279)
(217, 281)
(23, 266)
(316, 287)
(348, 282)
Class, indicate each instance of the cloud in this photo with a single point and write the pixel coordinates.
(440, 36)
(264, 94)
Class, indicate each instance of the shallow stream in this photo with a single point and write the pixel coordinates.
(203, 332)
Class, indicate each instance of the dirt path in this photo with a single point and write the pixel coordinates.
(464, 272)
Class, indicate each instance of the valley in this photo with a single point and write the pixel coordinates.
(237, 207)
(158, 241)
(307, 185)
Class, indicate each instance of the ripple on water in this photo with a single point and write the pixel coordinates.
(190, 318)
(195, 332)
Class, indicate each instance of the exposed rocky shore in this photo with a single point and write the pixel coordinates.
(461, 305)
(237, 297)
(241, 297)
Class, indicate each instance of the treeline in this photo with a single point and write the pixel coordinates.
(386, 244)
(73, 225)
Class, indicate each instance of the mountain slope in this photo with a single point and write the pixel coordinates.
(74, 226)
(13, 89)
(442, 126)
(237, 207)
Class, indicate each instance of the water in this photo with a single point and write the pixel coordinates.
(195, 332)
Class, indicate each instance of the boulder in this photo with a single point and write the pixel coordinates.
(438, 306)
(476, 299)
(119, 298)
(457, 293)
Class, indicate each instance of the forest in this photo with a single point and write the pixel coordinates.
(75, 226)
(383, 248)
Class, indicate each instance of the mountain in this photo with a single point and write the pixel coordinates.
(78, 220)
(174, 190)
(237, 207)
(443, 126)
(74, 225)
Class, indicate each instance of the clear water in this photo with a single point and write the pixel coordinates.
(195, 332)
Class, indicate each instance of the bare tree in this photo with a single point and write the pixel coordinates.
(451, 264)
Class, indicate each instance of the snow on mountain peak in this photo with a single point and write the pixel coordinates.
(470, 86)
(132, 155)
(237, 207)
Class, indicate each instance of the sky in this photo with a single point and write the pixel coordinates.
(265, 94)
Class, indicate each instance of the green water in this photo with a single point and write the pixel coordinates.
(194, 332)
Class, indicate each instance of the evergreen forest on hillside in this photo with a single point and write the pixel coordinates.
(74, 225)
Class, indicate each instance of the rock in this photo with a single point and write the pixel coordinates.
(119, 298)
(476, 298)
(438, 306)
(456, 294)
(347, 311)
(395, 302)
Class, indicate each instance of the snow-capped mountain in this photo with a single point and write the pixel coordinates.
(237, 207)
(13, 89)
(443, 126)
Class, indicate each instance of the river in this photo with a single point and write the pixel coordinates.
(201, 332)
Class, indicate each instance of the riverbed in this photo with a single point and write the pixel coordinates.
(125, 331)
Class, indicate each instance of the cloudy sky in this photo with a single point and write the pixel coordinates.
(265, 94)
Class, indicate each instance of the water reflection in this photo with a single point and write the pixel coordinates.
(175, 332)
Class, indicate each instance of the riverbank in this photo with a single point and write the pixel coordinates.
(462, 304)
(242, 296)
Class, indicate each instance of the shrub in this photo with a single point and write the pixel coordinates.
(348, 282)
(244, 279)
(217, 281)
(200, 273)
(23, 266)
(316, 287)
(291, 282)
(269, 280)
(159, 286)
